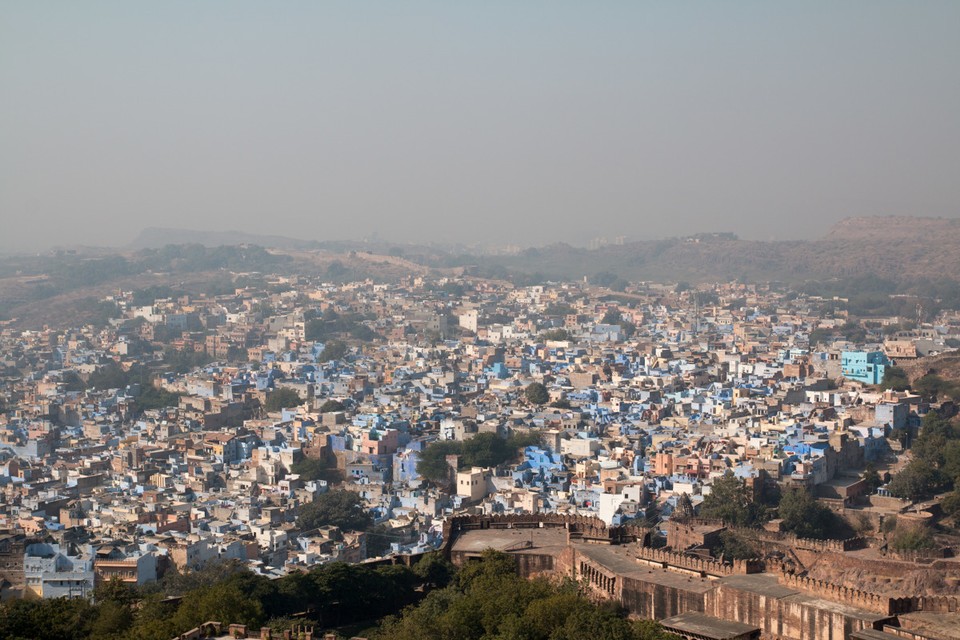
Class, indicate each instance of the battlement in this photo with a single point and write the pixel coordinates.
(884, 605)
(591, 529)
(579, 528)
(933, 604)
(805, 544)
(703, 566)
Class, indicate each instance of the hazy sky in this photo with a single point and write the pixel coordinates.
(502, 122)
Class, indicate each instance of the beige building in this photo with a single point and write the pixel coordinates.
(473, 484)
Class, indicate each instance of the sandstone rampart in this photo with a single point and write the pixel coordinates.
(654, 600)
(704, 566)
(838, 593)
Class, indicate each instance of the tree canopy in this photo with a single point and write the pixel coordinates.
(312, 469)
(933, 386)
(338, 508)
(804, 517)
(331, 406)
(333, 350)
(935, 463)
(489, 600)
(730, 501)
(536, 393)
(282, 398)
(482, 450)
(895, 378)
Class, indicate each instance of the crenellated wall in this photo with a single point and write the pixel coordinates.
(704, 566)
(930, 604)
(762, 536)
(837, 593)
(764, 593)
(780, 617)
(580, 528)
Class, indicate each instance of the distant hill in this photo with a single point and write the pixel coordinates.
(887, 228)
(893, 248)
(157, 237)
(896, 248)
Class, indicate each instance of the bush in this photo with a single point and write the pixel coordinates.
(283, 398)
(333, 350)
(806, 518)
(489, 600)
(555, 335)
(536, 393)
(915, 538)
(332, 406)
(735, 547)
(730, 501)
(341, 508)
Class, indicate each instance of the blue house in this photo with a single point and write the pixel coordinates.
(863, 366)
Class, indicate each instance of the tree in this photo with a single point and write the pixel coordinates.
(951, 503)
(555, 335)
(612, 316)
(806, 518)
(152, 397)
(332, 406)
(951, 461)
(559, 309)
(603, 279)
(339, 508)
(730, 501)
(184, 360)
(932, 386)
(482, 450)
(735, 547)
(433, 465)
(72, 381)
(536, 393)
(282, 398)
(912, 538)
(489, 600)
(112, 621)
(333, 350)
(115, 590)
(917, 481)
(110, 376)
(434, 570)
(872, 478)
(895, 378)
(336, 269)
(821, 335)
(312, 469)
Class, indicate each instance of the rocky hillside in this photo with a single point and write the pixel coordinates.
(893, 248)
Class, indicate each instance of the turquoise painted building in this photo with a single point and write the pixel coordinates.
(863, 366)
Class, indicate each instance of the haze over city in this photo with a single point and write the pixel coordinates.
(496, 122)
(479, 321)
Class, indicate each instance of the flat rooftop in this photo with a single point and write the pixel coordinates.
(766, 584)
(621, 561)
(545, 540)
(702, 625)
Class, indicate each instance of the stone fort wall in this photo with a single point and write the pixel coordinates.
(659, 601)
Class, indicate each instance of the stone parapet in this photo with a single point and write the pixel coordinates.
(876, 603)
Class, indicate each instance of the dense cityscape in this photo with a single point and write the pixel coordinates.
(748, 437)
(479, 320)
